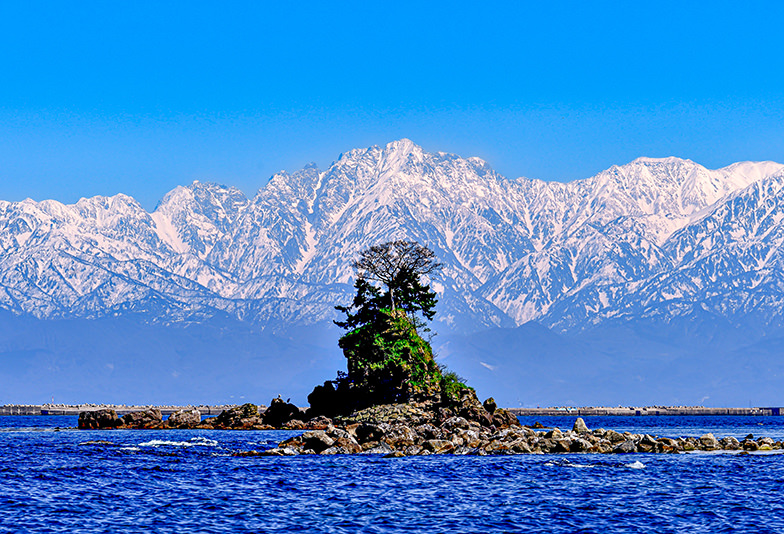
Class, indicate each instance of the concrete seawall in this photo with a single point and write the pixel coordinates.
(121, 409)
(629, 411)
(632, 411)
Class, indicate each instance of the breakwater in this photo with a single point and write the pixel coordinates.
(632, 411)
(120, 409)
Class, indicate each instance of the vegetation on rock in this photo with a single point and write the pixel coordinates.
(388, 361)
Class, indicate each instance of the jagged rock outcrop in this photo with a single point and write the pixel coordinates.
(99, 419)
(188, 418)
(145, 419)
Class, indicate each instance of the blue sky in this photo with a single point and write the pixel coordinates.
(138, 97)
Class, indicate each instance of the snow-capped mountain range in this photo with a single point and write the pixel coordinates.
(655, 238)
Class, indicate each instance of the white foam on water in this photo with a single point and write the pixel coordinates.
(567, 463)
(636, 465)
(193, 442)
(130, 449)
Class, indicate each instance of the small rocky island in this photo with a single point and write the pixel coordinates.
(395, 399)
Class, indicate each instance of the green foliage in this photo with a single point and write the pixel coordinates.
(388, 361)
(398, 266)
(452, 386)
(387, 357)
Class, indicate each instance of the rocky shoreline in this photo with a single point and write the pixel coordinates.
(413, 429)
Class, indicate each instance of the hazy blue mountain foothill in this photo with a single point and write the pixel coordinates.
(658, 281)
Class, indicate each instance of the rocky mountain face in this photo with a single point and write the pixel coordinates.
(656, 238)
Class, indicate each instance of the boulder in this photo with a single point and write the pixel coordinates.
(278, 451)
(729, 444)
(749, 445)
(149, 418)
(708, 442)
(504, 418)
(334, 450)
(580, 445)
(438, 446)
(602, 447)
(380, 448)
(453, 423)
(625, 447)
(319, 423)
(99, 419)
(316, 440)
(490, 405)
(294, 424)
(239, 417)
(580, 427)
(428, 431)
(367, 432)
(281, 412)
(184, 419)
(400, 436)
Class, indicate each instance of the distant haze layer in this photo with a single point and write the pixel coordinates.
(637, 277)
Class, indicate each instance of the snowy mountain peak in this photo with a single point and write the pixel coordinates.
(655, 236)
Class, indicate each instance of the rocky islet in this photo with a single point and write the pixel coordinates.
(411, 429)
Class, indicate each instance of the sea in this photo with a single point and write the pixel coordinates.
(55, 478)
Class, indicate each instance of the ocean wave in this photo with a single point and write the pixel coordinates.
(198, 441)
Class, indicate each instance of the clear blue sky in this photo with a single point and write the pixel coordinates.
(138, 97)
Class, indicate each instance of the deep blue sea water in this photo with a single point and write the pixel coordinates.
(187, 481)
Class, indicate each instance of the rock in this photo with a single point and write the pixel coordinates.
(614, 437)
(625, 447)
(749, 445)
(729, 444)
(334, 450)
(349, 444)
(520, 446)
(245, 416)
(438, 446)
(428, 432)
(285, 451)
(497, 447)
(413, 450)
(504, 418)
(281, 412)
(99, 419)
(580, 445)
(602, 447)
(188, 418)
(381, 448)
(400, 436)
(319, 423)
(490, 405)
(294, 424)
(708, 442)
(395, 454)
(647, 443)
(580, 427)
(367, 432)
(454, 423)
(316, 440)
(554, 434)
(149, 418)
(667, 445)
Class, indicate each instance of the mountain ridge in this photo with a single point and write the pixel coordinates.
(568, 255)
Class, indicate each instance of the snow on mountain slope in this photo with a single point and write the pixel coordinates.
(655, 236)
